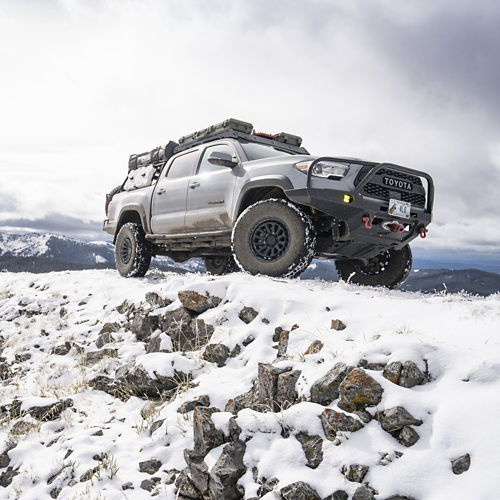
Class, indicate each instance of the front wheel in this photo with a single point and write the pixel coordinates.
(273, 237)
(132, 251)
(389, 269)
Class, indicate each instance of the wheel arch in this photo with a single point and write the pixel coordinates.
(135, 214)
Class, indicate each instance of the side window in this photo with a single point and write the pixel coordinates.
(182, 166)
(206, 166)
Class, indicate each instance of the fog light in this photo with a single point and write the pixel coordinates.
(348, 198)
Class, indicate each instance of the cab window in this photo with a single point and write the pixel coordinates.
(182, 166)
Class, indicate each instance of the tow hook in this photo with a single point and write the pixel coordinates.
(368, 222)
(393, 227)
(423, 232)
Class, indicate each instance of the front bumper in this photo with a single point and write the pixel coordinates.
(108, 228)
(360, 242)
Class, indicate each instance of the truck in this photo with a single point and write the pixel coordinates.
(261, 203)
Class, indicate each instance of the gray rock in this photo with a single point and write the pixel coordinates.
(54, 492)
(363, 415)
(358, 390)
(400, 497)
(363, 363)
(62, 349)
(197, 302)
(338, 325)
(247, 314)
(338, 495)
(392, 371)
(267, 486)
(178, 325)
(50, 411)
(154, 343)
(326, 389)
(216, 353)
(150, 466)
(205, 435)
(245, 400)
(143, 326)
(312, 447)
(394, 419)
(150, 484)
(87, 476)
(273, 388)
(334, 421)
(314, 348)
(110, 328)
(202, 331)
(299, 491)
(5, 372)
(278, 331)
(364, 493)
(21, 358)
(408, 436)
(286, 395)
(411, 375)
(283, 343)
(226, 472)
(154, 300)
(461, 464)
(198, 470)
(128, 486)
(7, 476)
(355, 473)
(93, 357)
(103, 339)
(188, 406)
(155, 426)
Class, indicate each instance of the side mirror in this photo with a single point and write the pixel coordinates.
(222, 159)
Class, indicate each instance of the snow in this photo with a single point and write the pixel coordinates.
(25, 245)
(456, 336)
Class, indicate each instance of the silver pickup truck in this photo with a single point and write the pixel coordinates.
(261, 203)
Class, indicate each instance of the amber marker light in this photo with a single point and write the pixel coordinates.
(348, 198)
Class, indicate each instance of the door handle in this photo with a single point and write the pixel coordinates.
(160, 191)
(194, 185)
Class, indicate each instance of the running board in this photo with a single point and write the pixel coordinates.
(189, 241)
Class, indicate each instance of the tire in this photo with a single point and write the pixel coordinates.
(223, 264)
(109, 197)
(389, 269)
(132, 251)
(257, 250)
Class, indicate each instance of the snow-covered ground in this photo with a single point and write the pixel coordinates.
(453, 339)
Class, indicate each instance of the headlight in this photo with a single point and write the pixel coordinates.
(325, 169)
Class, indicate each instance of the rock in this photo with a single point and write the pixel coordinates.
(371, 366)
(150, 466)
(202, 331)
(128, 486)
(50, 411)
(21, 428)
(197, 302)
(411, 375)
(156, 341)
(355, 473)
(156, 425)
(143, 326)
(154, 300)
(103, 339)
(286, 395)
(62, 349)
(245, 400)
(312, 447)
(109, 328)
(150, 484)
(461, 464)
(108, 385)
(4, 457)
(54, 492)
(283, 343)
(185, 487)
(358, 390)
(124, 307)
(338, 495)
(363, 415)
(216, 353)
(314, 348)
(326, 389)
(364, 493)
(7, 476)
(93, 357)
(276, 386)
(198, 470)
(299, 491)
(408, 436)
(178, 325)
(400, 497)
(236, 351)
(334, 421)
(267, 486)
(89, 474)
(247, 314)
(337, 325)
(21, 358)
(205, 435)
(226, 472)
(5, 372)
(277, 333)
(392, 371)
(394, 419)
(188, 406)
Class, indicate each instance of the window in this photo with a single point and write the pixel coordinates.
(182, 166)
(255, 151)
(206, 166)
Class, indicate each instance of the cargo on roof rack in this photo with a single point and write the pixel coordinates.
(230, 124)
(157, 156)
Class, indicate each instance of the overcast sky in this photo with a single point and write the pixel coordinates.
(86, 83)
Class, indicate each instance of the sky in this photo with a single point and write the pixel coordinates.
(86, 83)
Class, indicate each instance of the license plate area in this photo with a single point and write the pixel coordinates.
(398, 208)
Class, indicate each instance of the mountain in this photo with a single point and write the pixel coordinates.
(231, 387)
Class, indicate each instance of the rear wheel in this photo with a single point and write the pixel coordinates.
(275, 238)
(222, 264)
(132, 251)
(389, 269)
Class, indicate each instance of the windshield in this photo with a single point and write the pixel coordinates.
(255, 151)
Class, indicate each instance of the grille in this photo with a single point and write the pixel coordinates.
(414, 198)
(400, 175)
(382, 193)
(376, 190)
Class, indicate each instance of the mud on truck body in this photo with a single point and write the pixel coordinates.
(261, 203)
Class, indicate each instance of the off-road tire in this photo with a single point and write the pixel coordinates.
(275, 238)
(109, 197)
(395, 268)
(223, 264)
(132, 251)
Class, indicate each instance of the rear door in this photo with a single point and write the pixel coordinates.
(168, 208)
(210, 193)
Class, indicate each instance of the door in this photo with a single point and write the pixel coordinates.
(168, 208)
(210, 193)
